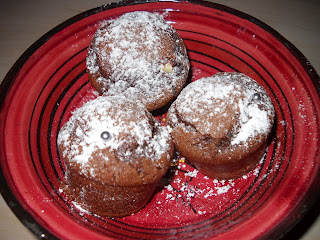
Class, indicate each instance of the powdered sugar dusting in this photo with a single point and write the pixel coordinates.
(210, 104)
(253, 121)
(80, 209)
(128, 54)
(194, 193)
(129, 126)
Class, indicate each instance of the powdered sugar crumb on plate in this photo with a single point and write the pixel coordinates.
(193, 192)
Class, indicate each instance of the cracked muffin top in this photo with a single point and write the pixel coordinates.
(140, 56)
(116, 141)
(223, 117)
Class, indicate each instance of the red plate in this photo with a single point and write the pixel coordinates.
(49, 81)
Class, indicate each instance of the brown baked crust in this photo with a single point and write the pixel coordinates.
(219, 127)
(104, 199)
(140, 56)
(126, 167)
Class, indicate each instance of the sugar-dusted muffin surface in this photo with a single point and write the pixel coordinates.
(140, 56)
(114, 153)
(221, 124)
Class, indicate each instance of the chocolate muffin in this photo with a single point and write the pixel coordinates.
(221, 124)
(114, 154)
(140, 56)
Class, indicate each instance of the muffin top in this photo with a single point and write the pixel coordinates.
(140, 56)
(229, 111)
(114, 140)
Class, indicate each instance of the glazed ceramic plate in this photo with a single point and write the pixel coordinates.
(49, 81)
